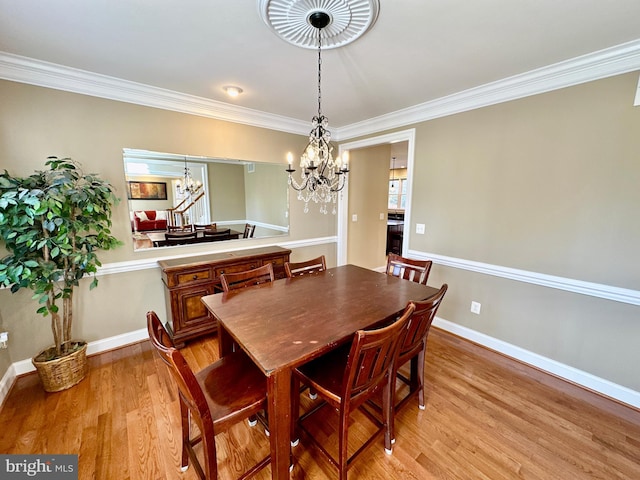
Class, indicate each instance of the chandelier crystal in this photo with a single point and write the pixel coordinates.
(188, 186)
(322, 176)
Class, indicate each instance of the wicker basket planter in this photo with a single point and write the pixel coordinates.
(62, 373)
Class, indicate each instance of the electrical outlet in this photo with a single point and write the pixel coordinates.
(420, 228)
(475, 308)
(354, 217)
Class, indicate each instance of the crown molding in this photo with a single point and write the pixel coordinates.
(50, 75)
(612, 61)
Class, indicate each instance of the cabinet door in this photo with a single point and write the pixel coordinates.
(193, 318)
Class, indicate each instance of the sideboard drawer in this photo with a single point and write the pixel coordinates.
(237, 267)
(194, 276)
(277, 262)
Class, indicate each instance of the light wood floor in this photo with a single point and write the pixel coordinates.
(487, 417)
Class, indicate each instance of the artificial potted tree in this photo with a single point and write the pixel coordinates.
(53, 223)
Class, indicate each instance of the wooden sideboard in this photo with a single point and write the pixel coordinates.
(187, 280)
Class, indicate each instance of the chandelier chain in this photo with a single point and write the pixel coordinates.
(319, 72)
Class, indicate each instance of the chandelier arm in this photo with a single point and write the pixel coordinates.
(299, 186)
(342, 181)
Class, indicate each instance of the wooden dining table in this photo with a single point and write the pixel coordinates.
(286, 323)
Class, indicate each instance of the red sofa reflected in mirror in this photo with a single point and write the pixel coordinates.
(146, 220)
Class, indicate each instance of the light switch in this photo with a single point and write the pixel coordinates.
(354, 217)
(382, 216)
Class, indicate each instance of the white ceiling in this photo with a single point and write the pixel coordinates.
(417, 51)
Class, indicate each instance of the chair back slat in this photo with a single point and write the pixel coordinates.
(248, 278)
(408, 268)
(210, 226)
(308, 267)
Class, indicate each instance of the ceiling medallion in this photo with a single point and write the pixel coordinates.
(348, 20)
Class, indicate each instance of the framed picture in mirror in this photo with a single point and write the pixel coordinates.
(146, 190)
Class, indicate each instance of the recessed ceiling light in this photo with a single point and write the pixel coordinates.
(232, 91)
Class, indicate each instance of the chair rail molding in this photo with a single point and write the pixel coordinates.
(152, 262)
(608, 292)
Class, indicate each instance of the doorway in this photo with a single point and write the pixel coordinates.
(407, 136)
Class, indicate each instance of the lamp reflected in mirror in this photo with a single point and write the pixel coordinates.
(230, 194)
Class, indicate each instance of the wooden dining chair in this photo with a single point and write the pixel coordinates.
(216, 235)
(297, 269)
(412, 349)
(414, 345)
(248, 231)
(247, 278)
(179, 238)
(223, 394)
(408, 268)
(345, 378)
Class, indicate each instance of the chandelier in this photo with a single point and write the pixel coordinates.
(322, 176)
(188, 186)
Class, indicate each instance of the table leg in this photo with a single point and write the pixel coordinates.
(279, 396)
(225, 342)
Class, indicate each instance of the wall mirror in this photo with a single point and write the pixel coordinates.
(227, 196)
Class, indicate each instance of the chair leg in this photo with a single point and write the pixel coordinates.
(420, 372)
(295, 410)
(343, 459)
(186, 427)
(387, 413)
(209, 450)
(413, 376)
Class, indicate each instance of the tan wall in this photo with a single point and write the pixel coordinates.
(266, 194)
(368, 195)
(226, 182)
(548, 184)
(37, 122)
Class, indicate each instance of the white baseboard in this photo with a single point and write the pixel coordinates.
(579, 377)
(6, 383)
(25, 366)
